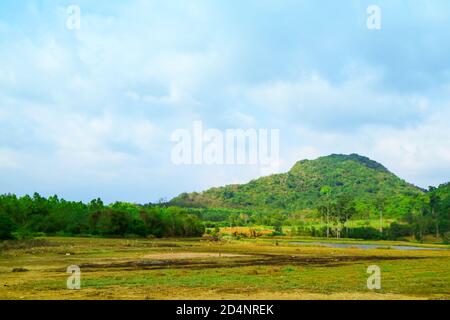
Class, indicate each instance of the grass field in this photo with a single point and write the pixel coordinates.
(194, 269)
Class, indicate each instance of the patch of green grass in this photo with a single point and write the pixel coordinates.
(427, 277)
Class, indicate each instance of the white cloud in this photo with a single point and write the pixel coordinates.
(93, 109)
(319, 102)
(8, 159)
(420, 153)
(417, 153)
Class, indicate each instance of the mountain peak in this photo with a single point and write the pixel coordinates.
(354, 175)
(340, 158)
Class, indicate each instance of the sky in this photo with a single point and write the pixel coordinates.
(89, 112)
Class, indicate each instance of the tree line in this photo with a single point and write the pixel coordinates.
(425, 214)
(22, 217)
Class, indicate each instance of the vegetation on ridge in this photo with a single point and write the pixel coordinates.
(365, 180)
(335, 196)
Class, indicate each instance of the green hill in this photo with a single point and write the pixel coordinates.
(443, 191)
(365, 180)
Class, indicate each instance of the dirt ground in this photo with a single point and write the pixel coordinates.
(194, 269)
(190, 255)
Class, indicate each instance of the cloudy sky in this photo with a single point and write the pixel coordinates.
(89, 112)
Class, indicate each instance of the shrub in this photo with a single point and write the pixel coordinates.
(6, 227)
(396, 231)
(366, 233)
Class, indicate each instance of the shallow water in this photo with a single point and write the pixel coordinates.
(363, 246)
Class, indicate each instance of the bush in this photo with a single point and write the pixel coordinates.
(365, 233)
(23, 234)
(277, 234)
(396, 231)
(446, 237)
(6, 227)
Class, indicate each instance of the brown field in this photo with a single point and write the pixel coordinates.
(195, 269)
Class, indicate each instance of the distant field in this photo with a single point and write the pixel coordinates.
(192, 269)
(374, 223)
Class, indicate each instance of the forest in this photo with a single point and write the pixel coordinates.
(341, 196)
(28, 216)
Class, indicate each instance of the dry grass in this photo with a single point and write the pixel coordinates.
(193, 269)
(190, 255)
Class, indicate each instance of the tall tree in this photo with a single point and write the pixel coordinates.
(380, 205)
(342, 211)
(325, 192)
(433, 201)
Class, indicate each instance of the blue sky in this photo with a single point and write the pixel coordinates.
(89, 113)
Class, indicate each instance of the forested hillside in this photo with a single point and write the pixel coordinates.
(323, 197)
(311, 182)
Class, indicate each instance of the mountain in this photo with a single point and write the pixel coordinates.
(365, 180)
(443, 192)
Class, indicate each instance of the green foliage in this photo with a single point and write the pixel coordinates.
(309, 183)
(329, 191)
(6, 227)
(398, 231)
(278, 228)
(365, 233)
(435, 211)
(338, 212)
(27, 216)
(334, 189)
